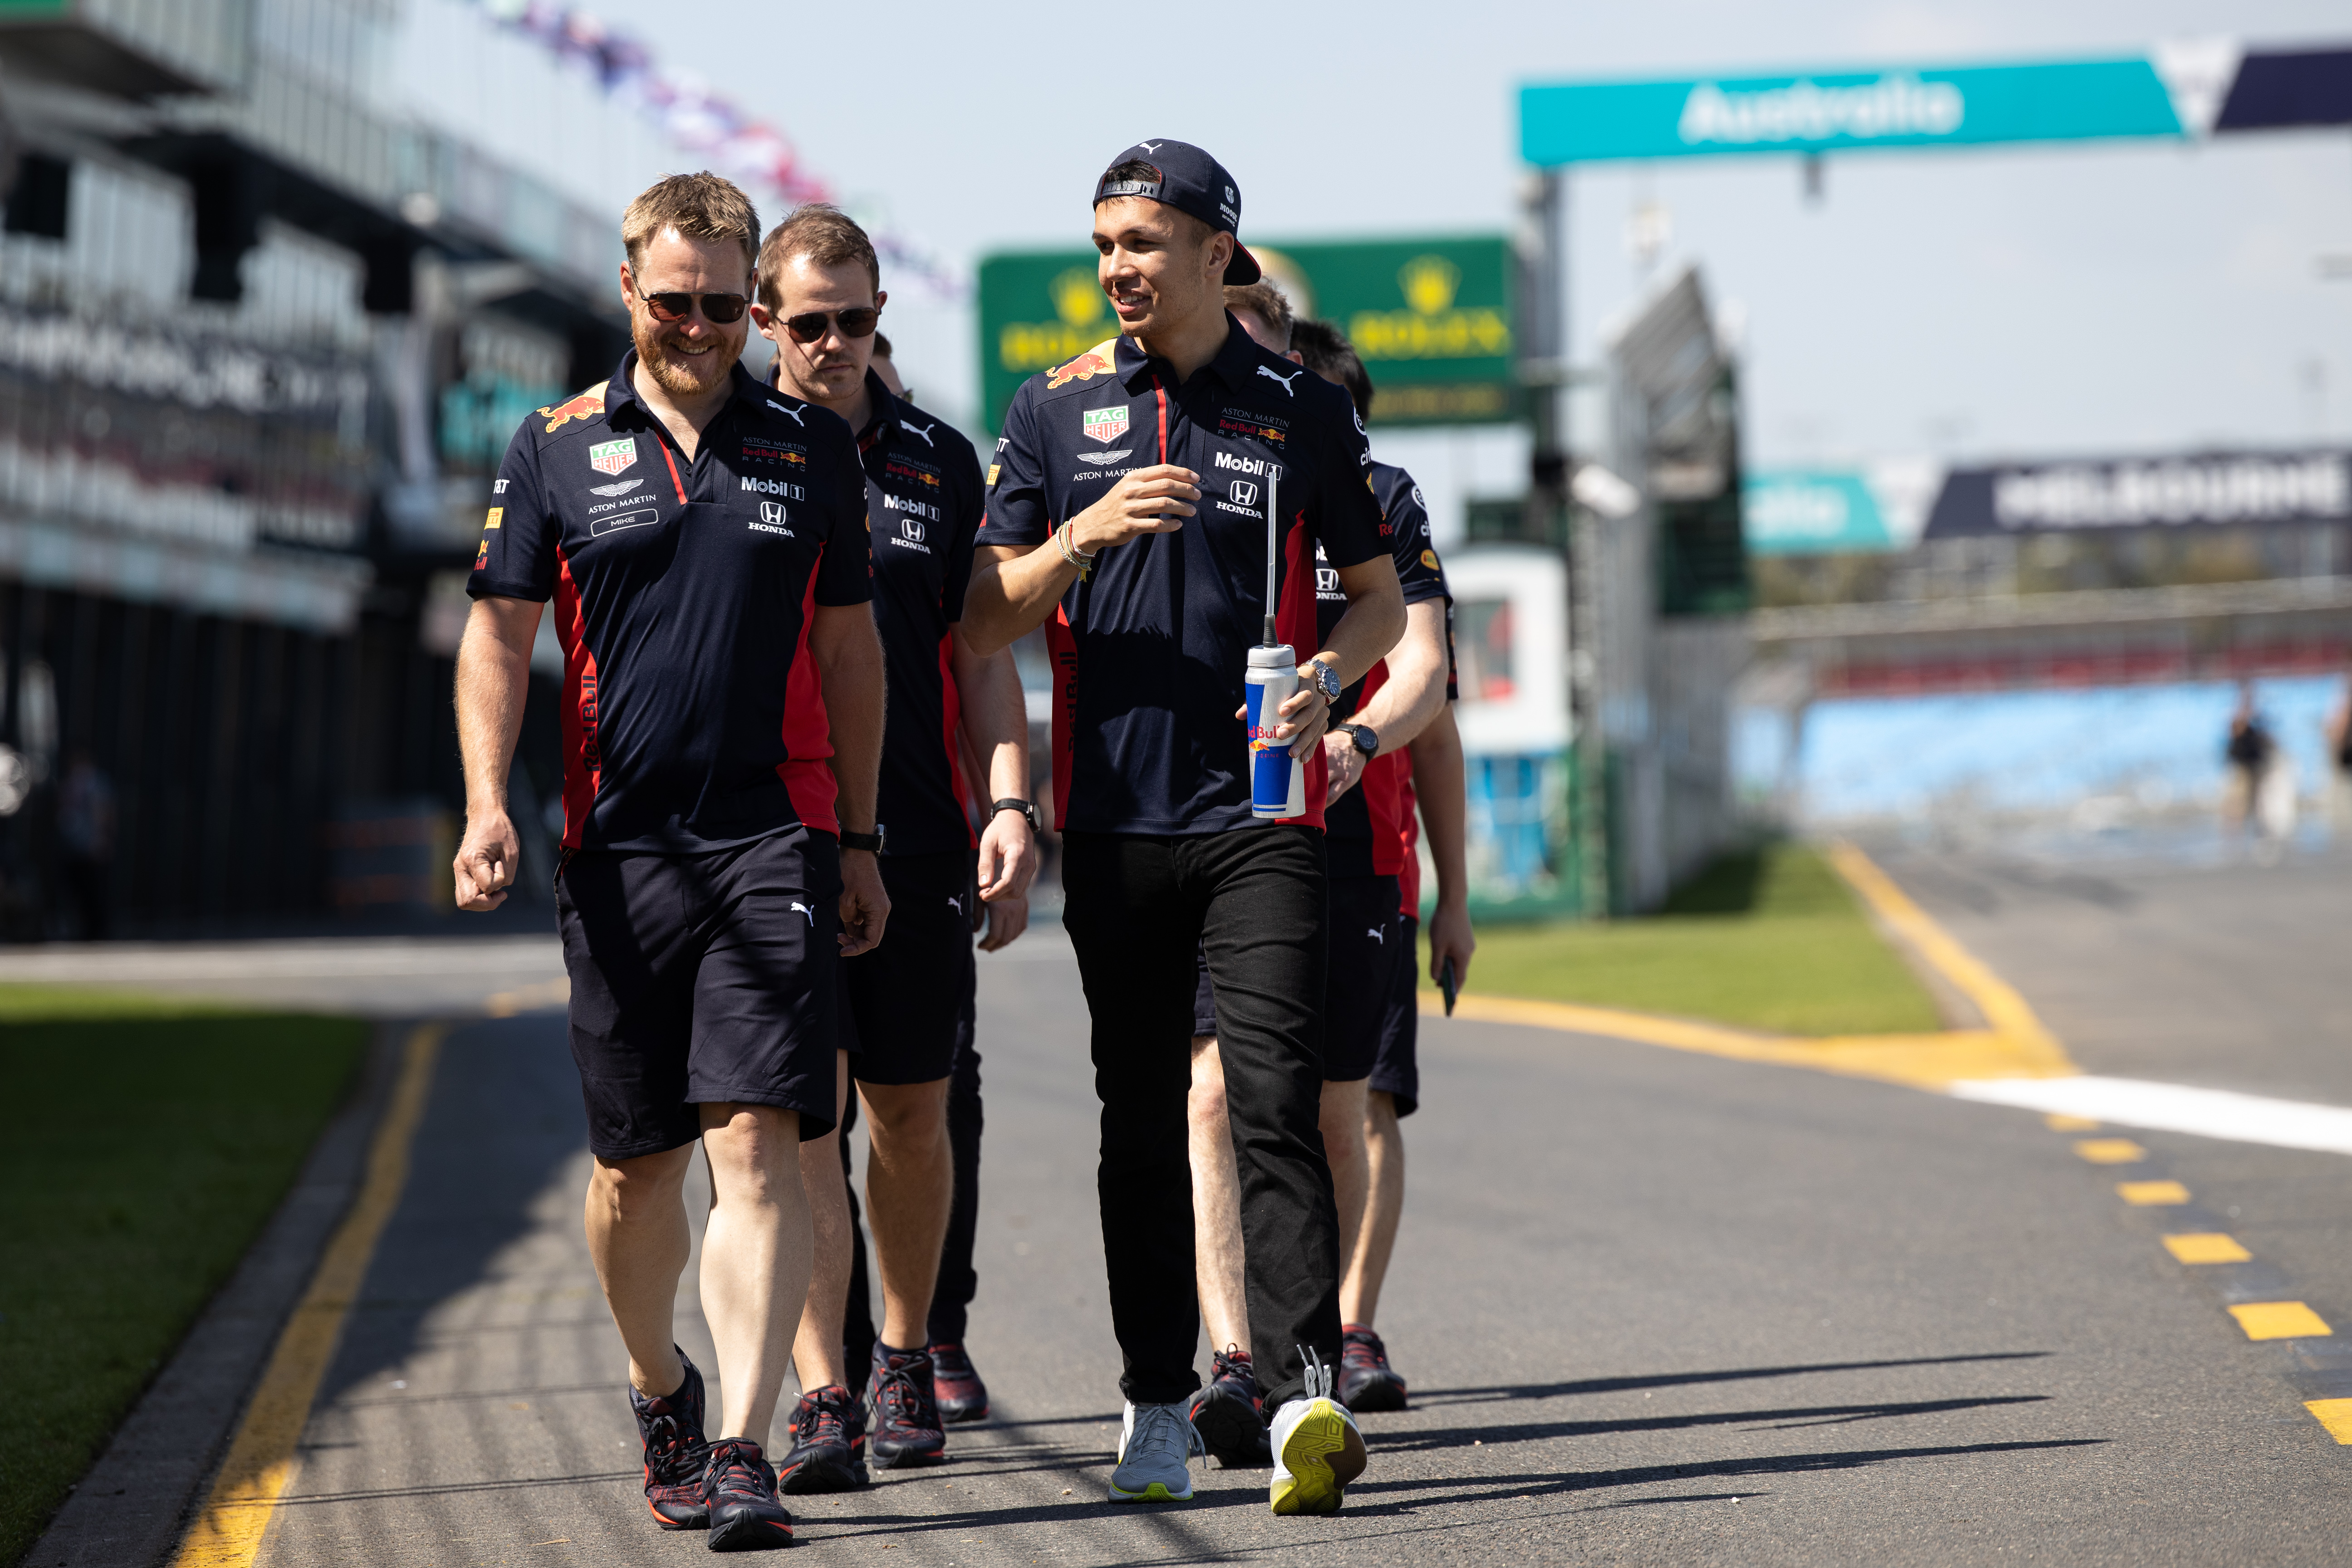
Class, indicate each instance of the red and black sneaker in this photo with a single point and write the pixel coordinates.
(828, 1452)
(1228, 1416)
(675, 1455)
(907, 1429)
(1365, 1381)
(741, 1488)
(956, 1386)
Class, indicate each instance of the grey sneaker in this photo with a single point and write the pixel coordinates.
(1156, 1446)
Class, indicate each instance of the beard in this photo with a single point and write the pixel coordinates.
(682, 376)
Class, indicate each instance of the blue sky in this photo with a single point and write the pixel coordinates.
(2006, 302)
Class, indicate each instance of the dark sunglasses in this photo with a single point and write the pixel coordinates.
(857, 324)
(719, 309)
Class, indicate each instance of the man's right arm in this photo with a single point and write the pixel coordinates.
(1437, 779)
(493, 682)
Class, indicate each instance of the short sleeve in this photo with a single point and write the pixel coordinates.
(963, 537)
(1417, 567)
(517, 558)
(1350, 526)
(845, 574)
(1017, 510)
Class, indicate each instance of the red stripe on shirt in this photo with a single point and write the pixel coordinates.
(808, 730)
(1062, 649)
(1378, 787)
(1295, 624)
(584, 762)
(951, 715)
(676, 482)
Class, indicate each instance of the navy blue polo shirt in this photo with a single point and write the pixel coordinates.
(692, 715)
(922, 485)
(1363, 824)
(1149, 652)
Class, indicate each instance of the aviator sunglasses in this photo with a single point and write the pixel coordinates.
(811, 325)
(718, 309)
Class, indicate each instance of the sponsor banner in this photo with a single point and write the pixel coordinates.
(1842, 109)
(1811, 511)
(1431, 317)
(2218, 489)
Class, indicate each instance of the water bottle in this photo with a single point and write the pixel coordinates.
(1277, 783)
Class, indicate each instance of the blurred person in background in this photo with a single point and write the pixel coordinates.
(720, 846)
(2340, 756)
(2260, 796)
(86, 835)
(904, 1011)
(1368, 1050)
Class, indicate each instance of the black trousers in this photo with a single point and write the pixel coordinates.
(1254, 900)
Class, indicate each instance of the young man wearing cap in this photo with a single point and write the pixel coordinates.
(901, 1007)
(1396, 698)
(1128, 512)
(719, 835)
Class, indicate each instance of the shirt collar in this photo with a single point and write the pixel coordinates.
(1233, 362)
(886, 411)
(622, 389)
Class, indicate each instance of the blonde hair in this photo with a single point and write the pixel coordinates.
(826, 236)
(700, 206)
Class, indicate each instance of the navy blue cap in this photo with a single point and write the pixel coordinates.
(1191, 182)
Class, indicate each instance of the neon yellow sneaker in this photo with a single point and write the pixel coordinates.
(1317, 1448)
(1156, 1445)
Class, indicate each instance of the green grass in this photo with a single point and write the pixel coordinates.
(148, 1143)
(1770, 940)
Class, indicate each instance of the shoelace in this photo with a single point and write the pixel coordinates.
(1156, 1432)
(737, 1471)
(1318, 1375)
(818, 1422)
(668, 1449)
(901, 1393)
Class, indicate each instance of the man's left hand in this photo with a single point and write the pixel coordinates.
(1306, 716)
(865, 907)
(1008, 857)
(1343, 763)
(1007, 919)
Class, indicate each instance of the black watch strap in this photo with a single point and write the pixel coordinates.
(1025, 807)
(869, 842)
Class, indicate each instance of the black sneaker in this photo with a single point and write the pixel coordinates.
(1365, 1381)
(907, 1428)
(956, 1386)
(675, 1455)
(1227, 1414)
(828, 1452)
(741, 1488)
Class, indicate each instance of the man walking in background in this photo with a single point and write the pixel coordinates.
(902, 1009)
(718, 840)
(1128, 512)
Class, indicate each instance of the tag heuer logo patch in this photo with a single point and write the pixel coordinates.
(612, 456)
(1104, 423)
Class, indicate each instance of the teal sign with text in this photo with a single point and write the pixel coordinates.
(1845, 110)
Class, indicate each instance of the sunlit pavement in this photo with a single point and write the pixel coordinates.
(1654, 1307)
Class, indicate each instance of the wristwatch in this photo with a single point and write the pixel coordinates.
(1367, 739)
(1026, 808)
(1327, 679)
(869, 842)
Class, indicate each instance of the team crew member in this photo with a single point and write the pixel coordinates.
(1434, 761)
(719, 836)
(1128, 513)
(820, 298)
(1396, 698)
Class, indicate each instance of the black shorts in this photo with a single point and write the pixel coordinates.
(1396, 1071)
(1357, 987)
(698, 979)
(1363, 971)
(900, 1003)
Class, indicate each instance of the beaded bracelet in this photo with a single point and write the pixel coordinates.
(1084, 563)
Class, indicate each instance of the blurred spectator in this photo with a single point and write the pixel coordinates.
(2261, 793)
(889, 372)
(2339, 753)
(86, 835)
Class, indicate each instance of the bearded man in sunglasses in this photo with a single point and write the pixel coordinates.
(820, 300)
(704, 541)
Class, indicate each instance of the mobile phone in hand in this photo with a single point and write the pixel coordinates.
(1445, 982)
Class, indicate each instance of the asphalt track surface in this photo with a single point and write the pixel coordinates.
(1655, 1307)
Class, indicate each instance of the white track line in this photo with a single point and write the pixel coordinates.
(2175, 1108)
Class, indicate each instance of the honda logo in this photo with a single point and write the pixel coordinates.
(772, 512)
(912, 529)
(1244, 493)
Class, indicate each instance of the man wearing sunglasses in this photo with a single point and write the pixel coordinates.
(704, 541)
(1127, 513)
(820, 300)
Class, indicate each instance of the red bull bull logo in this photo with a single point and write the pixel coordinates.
(1094, 361)
(587, 405)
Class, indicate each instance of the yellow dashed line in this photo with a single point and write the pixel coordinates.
(2336, 1414)
(2207, 1247)
(2151, 1194)
(2280, 1321)
(2057, 1124)
(2110, 1151)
